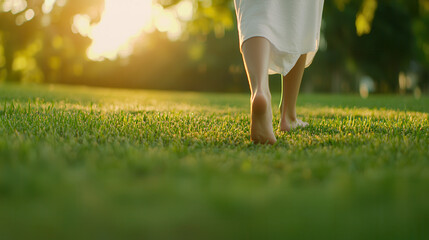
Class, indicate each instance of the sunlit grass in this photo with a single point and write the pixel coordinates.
(98, 163)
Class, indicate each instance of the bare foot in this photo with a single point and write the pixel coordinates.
(287, 123)
(261, 125)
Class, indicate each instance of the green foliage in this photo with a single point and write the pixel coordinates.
(210, 16)
(85, 163)
(389, 46)
(46, 40)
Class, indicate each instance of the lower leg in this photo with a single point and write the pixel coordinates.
(290, 90)
(256, 52)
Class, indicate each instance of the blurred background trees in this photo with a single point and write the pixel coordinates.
(366, 45)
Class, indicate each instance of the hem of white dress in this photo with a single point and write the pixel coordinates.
(276, 45)
(284, 73)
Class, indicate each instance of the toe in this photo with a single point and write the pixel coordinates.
(302, 123)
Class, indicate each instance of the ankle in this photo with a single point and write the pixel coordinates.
(259, 103)
(291, 117)
(261, 92)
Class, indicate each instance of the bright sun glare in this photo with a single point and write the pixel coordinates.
(123, 22)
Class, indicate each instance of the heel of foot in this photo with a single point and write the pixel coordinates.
(261, 125)
(284, 127)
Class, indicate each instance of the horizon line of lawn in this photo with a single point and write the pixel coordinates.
(93, 95)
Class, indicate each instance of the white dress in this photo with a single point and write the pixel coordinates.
(291, 26)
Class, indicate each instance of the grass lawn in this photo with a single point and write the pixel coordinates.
(91, 163)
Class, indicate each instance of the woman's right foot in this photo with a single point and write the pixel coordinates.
(287, 124)
(261, 125)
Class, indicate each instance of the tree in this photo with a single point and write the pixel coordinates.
(46, 35)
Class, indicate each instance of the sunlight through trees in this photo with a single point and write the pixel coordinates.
(130, 43)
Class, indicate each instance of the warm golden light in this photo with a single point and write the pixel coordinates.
(124, 21)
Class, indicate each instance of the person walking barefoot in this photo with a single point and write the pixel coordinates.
(276, 37)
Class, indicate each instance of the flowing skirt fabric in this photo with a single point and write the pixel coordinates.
(291, 26)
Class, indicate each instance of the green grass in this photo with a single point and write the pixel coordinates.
(90, 163)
